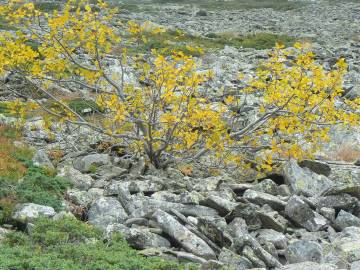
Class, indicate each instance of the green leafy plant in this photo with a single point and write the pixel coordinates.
(37, 187)
(69, 244)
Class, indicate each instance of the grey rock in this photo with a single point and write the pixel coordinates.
(222, 205)
(272, 220)
(345, 219)
(3, 233)
(328, 213)
(78, 179)
(78, 197)
(139, 167)
(137, 221)
(146, 186)
(261, 198)
(303, 181)
(215, 231)
(269, 260)
(300, 213)
(105, 211)
(233, 260)
(237, 227)
(249, 253)
(84, 164)
(267, 186)
(165, 196)
(41, 159)
(201, 13)
(355, 265)
(192, 197)
(185, 238)
(28, 212)
(309, 266)
(338, 202)
(145, 206)
(304, 251)
(352, 189)
(284, 190)
(138, 238)
(204, 184)
(316, 166)
(109, 172)
(248, 212)
(185, 257)
(268, 235)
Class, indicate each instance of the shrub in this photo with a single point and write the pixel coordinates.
(65, 245)
(169, 116)
(37, 187)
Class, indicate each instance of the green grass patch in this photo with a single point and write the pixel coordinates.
(4, 25)
(171, 41)
(80, 105)
(69, 244)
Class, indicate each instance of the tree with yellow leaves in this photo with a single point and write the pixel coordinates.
(164, 115)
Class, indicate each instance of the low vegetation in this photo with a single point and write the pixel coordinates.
(220, 5)
(69, 244)
(175, 41)
(37, 185)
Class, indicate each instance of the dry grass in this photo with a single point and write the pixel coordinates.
(346, 152)
(10, 167)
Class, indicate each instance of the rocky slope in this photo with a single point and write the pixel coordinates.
(307, 217)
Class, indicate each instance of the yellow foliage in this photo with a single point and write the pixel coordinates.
(167, 116)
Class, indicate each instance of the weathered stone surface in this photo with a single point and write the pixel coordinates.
(316, 166)
(338, 202)
(105, 211)
(146, 186)
(84, 164)
(248, 212)
(309, 266)
(352, 189)
(300, 213)
(263, 198)
(79, 180)
(268, 235)
(222, 205)
(41, 159)
(78, 197)
(249, 253)
(145, 206)
(215, 231)
(186, 239)
(186, 257)
(204, 184)
(28, 212)
(267, 186)
(237, 227)
(272, 220)
(345, 219)
(165, 196)
(234, 260)
(328, 213)
(303, 181)
(304, 251)
(138, 238)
